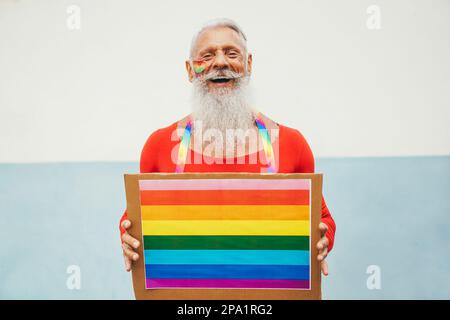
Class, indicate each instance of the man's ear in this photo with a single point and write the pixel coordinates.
(249, 63)
(189, 70)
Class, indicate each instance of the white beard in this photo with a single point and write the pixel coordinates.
(223, 108)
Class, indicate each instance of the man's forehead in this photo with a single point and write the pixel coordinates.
(218, 37)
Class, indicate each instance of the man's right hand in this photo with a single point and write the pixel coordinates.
(129, 244)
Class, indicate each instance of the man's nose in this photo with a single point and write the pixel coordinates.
(220, 61)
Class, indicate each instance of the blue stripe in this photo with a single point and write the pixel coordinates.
(271, 257)
(228, 271)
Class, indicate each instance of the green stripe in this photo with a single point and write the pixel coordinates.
(226, 242)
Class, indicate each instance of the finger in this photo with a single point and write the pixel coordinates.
(322, 243)
(324, 267)
(130, 240)
(323, 254)
(126, 224)
(127, 263)
(129, 253)
(323, 228)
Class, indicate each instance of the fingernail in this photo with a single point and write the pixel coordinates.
(136, 244)
(135, 257)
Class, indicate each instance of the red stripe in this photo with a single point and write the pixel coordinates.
(225, 197)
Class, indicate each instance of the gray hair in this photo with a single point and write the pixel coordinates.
(221, 22)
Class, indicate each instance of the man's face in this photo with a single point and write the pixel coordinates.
(219, 49)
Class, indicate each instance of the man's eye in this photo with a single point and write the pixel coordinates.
(233, 54)
(207, 57)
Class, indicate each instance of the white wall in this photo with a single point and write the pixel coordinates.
(96, 93)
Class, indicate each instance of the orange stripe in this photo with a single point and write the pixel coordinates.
(225, 212)
(225, 197)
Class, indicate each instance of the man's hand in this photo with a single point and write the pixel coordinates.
(322, 245)
(129, 244)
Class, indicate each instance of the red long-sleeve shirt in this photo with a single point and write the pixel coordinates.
(294, 156)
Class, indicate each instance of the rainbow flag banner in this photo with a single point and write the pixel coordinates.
(226, 233)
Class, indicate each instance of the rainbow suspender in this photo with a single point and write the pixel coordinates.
(184, 146)
(267, 144)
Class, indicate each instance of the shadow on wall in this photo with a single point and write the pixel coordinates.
(391, 214)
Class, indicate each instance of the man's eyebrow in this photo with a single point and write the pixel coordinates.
(211, 49)
(206, 50)
(232, 47)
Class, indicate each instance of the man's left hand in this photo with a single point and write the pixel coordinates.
(322, 245)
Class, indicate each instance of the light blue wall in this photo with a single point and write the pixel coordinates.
(390, 212)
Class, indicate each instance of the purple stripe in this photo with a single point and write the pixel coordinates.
(225, 184)
(226, 284)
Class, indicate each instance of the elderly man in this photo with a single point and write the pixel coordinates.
(219, 69)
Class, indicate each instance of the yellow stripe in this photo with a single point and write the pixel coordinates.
(225, 212)
(226, 227)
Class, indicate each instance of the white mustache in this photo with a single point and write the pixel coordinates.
(218, 74)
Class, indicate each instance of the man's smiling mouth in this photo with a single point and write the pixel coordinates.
(221, 80)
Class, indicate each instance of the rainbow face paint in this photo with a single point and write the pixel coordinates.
(199, 66)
